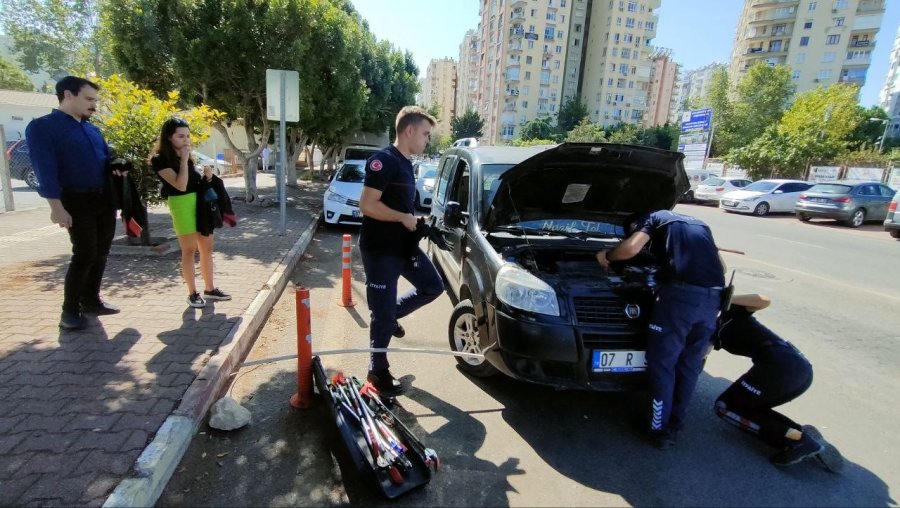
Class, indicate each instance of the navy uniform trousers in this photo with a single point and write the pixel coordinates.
(383, 271)
(682, 324)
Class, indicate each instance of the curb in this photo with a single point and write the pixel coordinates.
(159, 459)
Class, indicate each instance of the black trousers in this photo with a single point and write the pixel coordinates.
(92, 231)
(749, 401)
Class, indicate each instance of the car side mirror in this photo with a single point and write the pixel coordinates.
(454, 216)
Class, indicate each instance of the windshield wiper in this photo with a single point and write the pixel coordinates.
(509, 228)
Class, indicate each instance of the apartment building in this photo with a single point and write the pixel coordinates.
(695, 84)
(615, 81)
(890, 92)
(660, 99)
(823, 41)
(439, 88)
(467, 74)
(521, 59)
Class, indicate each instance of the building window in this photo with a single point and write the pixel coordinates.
(551, 15)
(651, 25)
(801, 57)
(526, 89)
(578, 29)
(626, 53)
(527, 75)
(556, 64)
(840, 4)
(559, 34)
(530, 44)
(828, 57)
(629, 22)
(618, 21)
(549, 32)
(831, 40)
(838, 21)
(629, 38)
(824, 74)
(796, 75)
(812, 6)
(615, 52)
(562, 3)
(807, 25)
(575, 43)
(631, 84)
(528, 60)
(632, 6)
(533, 12)
(610, 82)
(616, 38)
(612, 67)
(804, 41)
(524, 104)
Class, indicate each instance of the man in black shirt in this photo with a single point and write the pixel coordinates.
(387, 241)
(70, 157)
(684, 314)
(780, 374)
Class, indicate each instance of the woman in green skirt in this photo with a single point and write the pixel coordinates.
(171, 159)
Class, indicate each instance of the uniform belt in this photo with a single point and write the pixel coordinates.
(695, 288)
(83, 190)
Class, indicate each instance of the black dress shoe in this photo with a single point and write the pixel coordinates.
(100, 308)
(71, 320)
(399, 332)
(384, 382)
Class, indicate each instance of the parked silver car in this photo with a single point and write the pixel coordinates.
(852, 203)
(764, 196)
(892, 221)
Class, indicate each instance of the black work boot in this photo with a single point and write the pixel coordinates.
(399, 332)
(384, 382)
(71, 320)
(806, 447)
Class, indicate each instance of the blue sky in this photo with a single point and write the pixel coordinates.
(699, 32)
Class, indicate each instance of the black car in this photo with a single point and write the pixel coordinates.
(20, 162)
(526, 224)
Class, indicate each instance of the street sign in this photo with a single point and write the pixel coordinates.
(291, 95)
(695, 138)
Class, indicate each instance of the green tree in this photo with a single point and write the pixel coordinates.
(437, 145)
(763, 95)
(435, 111)
(586, 132)
(532, 142)
(718, 98)
(539, 128)
(869, 132)
(13, 78)
(625, 133)
(59, 37)
(469, 125)
(131, 117)
(571, 113)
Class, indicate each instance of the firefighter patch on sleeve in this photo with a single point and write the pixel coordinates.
(375, 165)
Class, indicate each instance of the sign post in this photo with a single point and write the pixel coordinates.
(696, 137)
(5, 178)
(283, 105)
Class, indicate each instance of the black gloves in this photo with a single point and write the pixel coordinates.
(437, 235)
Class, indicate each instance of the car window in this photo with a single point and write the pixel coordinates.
(440, 190)
(359, 153)
(427, 171)
(460, 190)
(886, 191)
(713, 182)
(352, 173)
(793, 187)
(830, 188)
(742, 183)
(761, 186)
(868, 190)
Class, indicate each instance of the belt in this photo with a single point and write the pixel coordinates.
(83, 190)
(693, 287)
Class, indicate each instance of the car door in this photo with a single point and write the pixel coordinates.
(439, 201)
(882, 196)
(785, 200)
(460, 192)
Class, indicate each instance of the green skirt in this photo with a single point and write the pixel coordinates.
(184, 213)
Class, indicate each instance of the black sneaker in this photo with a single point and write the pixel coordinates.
(216, 295)
(664, 440)
(384, 382)
(399, 332)
(99, 308)
(829, 457)
(806, 447)
(196, 301)
(71, 320)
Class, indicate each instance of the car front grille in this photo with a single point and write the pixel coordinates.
(352, 202)
(604, 310)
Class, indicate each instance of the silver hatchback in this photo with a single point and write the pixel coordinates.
(852, 203)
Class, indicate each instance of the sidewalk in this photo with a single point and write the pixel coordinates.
(77, 409)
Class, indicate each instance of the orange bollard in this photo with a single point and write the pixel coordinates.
(304, 396)
(346, 296)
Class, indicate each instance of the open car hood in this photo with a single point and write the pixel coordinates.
(588, 181)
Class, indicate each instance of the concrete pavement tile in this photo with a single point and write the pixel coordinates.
(36, 393)
(147, 423)
(137, 441)
(19, 367)
(46, 442)
(94, 422)
(164, 407)
(10, 464)
(59, 464)
(10, 441)
(7, 423)
(106, 441)
(113, 463)
(12, 489)
(40, 407)
(51, 424)
(100, 487)
(51, 490)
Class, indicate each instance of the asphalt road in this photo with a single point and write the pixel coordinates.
(24, 197)
(504, 443)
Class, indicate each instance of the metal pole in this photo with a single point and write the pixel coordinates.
(887, 123)
(282, 129)
(5, 179)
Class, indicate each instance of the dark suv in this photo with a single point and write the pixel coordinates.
(526, 224)
(20, 163)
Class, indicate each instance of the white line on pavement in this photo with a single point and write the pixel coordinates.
(792, 241)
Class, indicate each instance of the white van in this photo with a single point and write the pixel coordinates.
(467, 142)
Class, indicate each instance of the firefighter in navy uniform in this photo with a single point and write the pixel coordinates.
(684, 314)
(388, 241)
(780, 373)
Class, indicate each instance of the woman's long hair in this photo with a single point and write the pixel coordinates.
(163, 146)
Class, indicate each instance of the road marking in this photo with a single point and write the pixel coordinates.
(32, 235)
(792, 241)
(825, 279)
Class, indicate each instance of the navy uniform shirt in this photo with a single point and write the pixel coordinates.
(392, 173)
(741, 334)
(66, 153)
(684, 247)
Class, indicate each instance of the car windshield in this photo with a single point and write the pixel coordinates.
(572, 228)
(360, 153)
(761, 186)
(489, 183)
(351, 173)
(830, 188)
(713, 181)
(428, 171)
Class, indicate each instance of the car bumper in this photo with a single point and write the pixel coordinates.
(341, 213)
(892, 222)
(707, 197)
(737, 206)
(823, 211)
(558, 354)
(424, 199)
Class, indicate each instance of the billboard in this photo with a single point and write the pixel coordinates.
(696, 127)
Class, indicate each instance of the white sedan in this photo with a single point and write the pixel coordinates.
(426, 174)
(341, 202)
(764, 196)
(712, 189)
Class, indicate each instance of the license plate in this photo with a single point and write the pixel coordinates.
(355, 213)
(618, 361)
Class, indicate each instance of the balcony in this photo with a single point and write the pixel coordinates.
(518, 3)
(515, 48)
(871, 7)
(861, 44)
(774, 3)
(768, 17)
(516, 33)
(517, 15)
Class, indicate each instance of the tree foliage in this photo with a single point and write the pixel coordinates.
(13, 78)
(571, 113)
(586, 132)
(468, 125)
(539, 128)
(59, 37)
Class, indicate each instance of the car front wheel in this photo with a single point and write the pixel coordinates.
(761, 209)
(31, 179)
(857, 219)
(895, 234)
(803, 217)
(464, 338)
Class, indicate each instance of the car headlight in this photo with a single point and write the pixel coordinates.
(751, 198)
(428, 188)
(517, 288)
(334, 196)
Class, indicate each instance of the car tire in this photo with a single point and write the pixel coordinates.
(761, 209)
(31, 179)
(895, 234)
(464, 338)
(803, 217)
(858, 218)
(689, 196)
